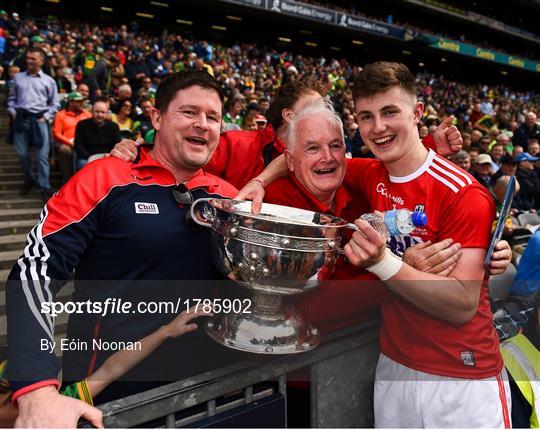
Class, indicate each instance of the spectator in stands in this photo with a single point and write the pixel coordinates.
(143, 123)
(466, 141)
(497, 152)
(534, 147)
(136, 70)
(147, 90)
(116, 71)
(482, 170)
(4, 19)
(483, 145)
(32, 103)
(526, 131)
(476, 113)
(63, 84)
(264, 104)
(83, 89)
(261, 121)
(86, 60)
(95, 135)
(463, 160)
(123, 119)
(233, 110)
(508, 168)
(504, 139)
(498, 191)
(124, 93)
(528, 198)
(249, 123)
(64, 126)
(476, 136)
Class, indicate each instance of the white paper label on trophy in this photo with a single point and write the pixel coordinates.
(146, 208)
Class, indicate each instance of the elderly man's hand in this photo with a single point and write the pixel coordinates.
(253, 190)
(448, 138)
(126, 149)
(439, 258)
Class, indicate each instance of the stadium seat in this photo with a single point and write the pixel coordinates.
(499, 285)
(529, 218)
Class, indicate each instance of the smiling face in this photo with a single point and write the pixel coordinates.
(388, 124)
(497, 152)
(317, 158)
(187, 133)
(99, 112)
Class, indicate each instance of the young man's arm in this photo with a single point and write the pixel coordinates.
(453, 298)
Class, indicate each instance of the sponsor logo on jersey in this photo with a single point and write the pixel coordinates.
(146, 208)
(468, 358)
(381, 188)
(399, 244)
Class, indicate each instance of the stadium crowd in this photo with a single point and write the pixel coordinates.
(123, 67)
(103, 84)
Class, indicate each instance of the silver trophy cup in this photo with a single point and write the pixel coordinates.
(281, 251)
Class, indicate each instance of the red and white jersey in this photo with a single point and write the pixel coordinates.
(459, 208)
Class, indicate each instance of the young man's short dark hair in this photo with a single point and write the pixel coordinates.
(288, 95)
(178, 81)
(381, 76)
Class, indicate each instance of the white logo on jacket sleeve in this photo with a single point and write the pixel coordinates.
(146, 208)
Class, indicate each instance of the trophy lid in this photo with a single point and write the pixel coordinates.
(278, 214)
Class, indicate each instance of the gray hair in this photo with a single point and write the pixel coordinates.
(324, 107)
(461, 155)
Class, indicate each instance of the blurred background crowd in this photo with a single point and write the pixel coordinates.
(123, 66)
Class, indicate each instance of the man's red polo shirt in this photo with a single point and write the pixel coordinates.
(352, 300)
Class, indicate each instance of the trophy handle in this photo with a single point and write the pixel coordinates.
(203, 213)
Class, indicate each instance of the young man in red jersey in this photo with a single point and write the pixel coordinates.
(440, 364)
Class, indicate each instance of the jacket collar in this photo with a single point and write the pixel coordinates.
(144, 160)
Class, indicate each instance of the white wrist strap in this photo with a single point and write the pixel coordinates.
(387, 267)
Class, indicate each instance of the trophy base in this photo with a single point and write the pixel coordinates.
(282, 333)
